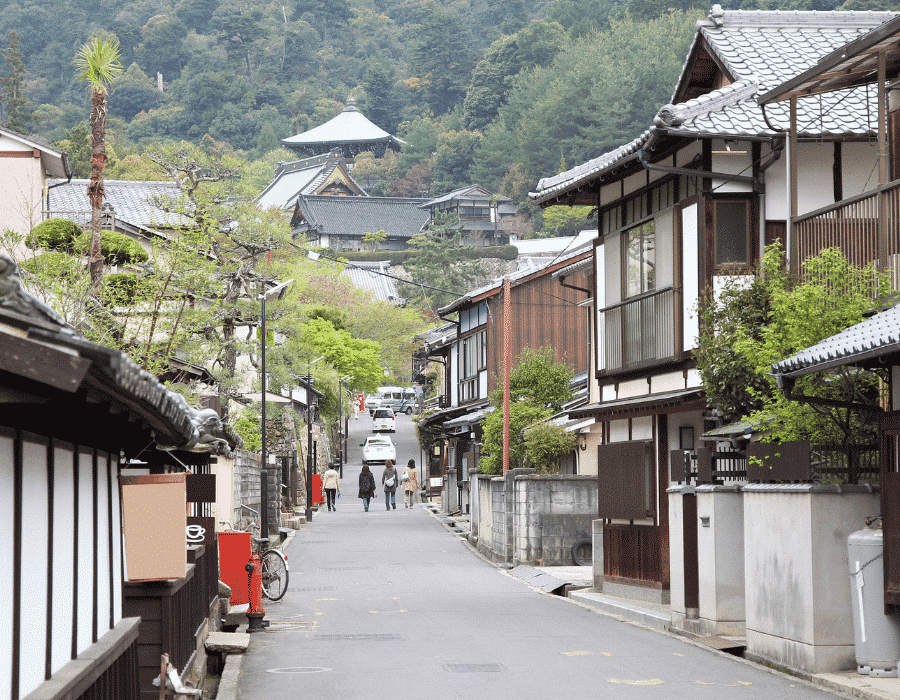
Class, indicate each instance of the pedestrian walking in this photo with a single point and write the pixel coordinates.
(332, 485)
(410, 481)
(366, 486)
(389, 478)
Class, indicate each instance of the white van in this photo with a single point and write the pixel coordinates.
(384, 421)
(399, 399)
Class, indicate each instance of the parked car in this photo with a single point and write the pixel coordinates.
(384, 421)
(377, 449)
(397, 398)
(373, 401)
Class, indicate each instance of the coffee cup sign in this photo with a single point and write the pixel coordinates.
(196, 534)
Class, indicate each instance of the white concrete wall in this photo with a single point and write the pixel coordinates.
(690, 241)
(720, 544)
(796, 566)
(676, 552)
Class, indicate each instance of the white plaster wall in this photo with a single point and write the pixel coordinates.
(635, 182)
(665, 248)
(454, 376)
(613, 257)
(118, 575)
(21, 190)
(859, 167)
(635, 387)
(224, 505)
(33, 579)
(694, 380)
(63, 555)
(587, 458)
(6, 552)
(795, 560)
(721, 560)
(642, 428)
(690, 240)
(102, 527)
(85, 562)
(671, 381)
(599, 303)
(732, 163)
(618, 431)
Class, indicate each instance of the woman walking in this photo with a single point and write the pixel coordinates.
(366, 486)
(332, 486)
(389, 478)
(410, 481)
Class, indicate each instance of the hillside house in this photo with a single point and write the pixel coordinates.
(25, 163)
(693, 199)
(480, 217)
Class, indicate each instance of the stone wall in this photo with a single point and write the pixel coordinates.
(527, 518)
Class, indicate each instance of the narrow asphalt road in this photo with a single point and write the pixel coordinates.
(393, 605)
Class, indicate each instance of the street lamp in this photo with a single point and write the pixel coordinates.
(341, 436)
(309, 455)
(278, 289)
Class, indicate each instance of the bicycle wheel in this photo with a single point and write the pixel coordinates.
(274, 574)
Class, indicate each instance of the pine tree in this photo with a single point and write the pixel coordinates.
(17, 110)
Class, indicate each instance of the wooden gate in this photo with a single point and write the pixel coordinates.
(889, 438)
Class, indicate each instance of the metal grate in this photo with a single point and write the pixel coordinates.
(359, 637)
(474, 668)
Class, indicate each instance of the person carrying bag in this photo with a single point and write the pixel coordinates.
(389, 479)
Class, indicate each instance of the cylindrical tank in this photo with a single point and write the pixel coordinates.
(877, 635)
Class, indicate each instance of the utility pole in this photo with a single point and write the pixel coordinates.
(506, 366)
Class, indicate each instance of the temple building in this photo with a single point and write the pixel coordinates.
(349, 131)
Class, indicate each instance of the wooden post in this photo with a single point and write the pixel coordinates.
(163, 670)
(883, 161)
(506, 368)
(791, 248)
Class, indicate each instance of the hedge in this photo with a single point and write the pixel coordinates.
(123, 288)
(116, 248)
(54, 234)
(55, 264)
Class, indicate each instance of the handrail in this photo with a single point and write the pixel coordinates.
(639, 297)
(845, 202)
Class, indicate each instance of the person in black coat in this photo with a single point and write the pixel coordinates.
(366, 486)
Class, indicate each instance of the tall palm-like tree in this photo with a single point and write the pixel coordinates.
(98, 62)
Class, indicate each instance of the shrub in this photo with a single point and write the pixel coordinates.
(54, 234)
(52, 265)
(545, 444)
(124, 288)
(116, 248)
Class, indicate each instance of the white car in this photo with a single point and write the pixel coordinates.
(377, 449)
(384, 421)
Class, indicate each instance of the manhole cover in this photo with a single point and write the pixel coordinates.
(299, 669)
(358, 637)
(474, 668)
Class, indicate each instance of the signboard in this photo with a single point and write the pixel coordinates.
(435, 482)
(154, 522)
(201, 531)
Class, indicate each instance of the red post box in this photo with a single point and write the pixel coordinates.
(234, 553)
(317, 493)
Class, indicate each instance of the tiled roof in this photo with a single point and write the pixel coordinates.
(469, 192)
(134, 202)
(369, 277)
(875, 337)
(758, 50)
(299, 177)
(353, 217)
(350, 126)
(517, 275)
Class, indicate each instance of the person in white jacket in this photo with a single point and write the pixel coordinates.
(331, 485)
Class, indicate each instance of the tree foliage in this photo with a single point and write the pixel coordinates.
(545, 444)
(751, 326)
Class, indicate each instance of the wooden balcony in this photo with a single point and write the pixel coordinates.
(641, 331)
(866, 228)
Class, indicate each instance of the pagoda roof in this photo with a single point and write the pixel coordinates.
(350, 126)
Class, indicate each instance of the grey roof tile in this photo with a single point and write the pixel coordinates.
(353, 217)
(135, 202)
(874, 337)
(760, 50)
(370, 277)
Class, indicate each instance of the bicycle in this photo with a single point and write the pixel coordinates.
(274, 564)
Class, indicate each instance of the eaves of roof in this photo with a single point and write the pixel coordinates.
(668, 402)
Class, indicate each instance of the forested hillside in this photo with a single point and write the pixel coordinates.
(499, 92)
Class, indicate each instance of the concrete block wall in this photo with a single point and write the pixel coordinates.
(535, 519)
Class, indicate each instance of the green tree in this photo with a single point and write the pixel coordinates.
(545, 444)
(97, 63)
(133, 92)
(374, 238)
(747, 328)
(357, 357)
(77, 144)
(441, 57)
(162, 49)
(564, 221)
(521, 415)
(452, 160)
(382, 102)
(438, 260)
(17, 109)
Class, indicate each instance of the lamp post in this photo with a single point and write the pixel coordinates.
(263, 472)
(309, 455)
(341, 435)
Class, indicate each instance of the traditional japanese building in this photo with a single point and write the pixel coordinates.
(349, 131)
(327, 174)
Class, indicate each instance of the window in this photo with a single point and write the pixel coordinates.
(472, 363)
(732, 231)
(640, 259)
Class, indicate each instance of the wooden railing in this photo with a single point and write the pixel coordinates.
(865, 228)
(641, 331)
